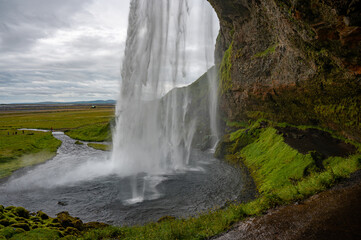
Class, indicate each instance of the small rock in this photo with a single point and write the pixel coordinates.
(62, 203)
(42, 215)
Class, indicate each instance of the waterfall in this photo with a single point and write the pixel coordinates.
(212, 74)
(154, 136)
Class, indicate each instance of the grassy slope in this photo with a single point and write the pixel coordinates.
(96, 132)
(38, 146)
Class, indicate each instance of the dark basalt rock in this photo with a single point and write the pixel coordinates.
(62, 203)
(321, 144)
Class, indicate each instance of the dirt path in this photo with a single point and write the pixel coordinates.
(333, 214)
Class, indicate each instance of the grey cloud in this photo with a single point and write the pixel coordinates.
(66, 50)
(24, 21)
(57, 86)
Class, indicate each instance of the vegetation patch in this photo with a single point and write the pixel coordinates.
(25, 148)
(61, 119)
(78, 143)
(225, 71)
(283, 172)
(18, 223)
(19, 148)
(96, 132)
(268, 51)
(98, 146)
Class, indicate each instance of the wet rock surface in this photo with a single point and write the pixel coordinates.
(291, 61)
(312, 139)
(333, 214)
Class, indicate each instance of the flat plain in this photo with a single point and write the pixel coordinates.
(21, 148)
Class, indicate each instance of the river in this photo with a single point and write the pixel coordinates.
(79, 180)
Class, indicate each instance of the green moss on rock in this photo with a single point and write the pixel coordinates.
(271, 49)
(21, 212)
(24, 226)
(42, 215)
(7, 232)
(280, 171)
(225, 71)
(38, 234)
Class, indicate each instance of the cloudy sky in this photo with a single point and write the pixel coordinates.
(61, 50)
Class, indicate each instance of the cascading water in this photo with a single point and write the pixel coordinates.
(212, 74)
(154, 136)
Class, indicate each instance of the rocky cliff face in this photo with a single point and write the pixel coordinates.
(293, 61)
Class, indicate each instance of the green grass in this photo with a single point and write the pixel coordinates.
(95, 132)
(60, 120)
(103, 147)
(225, 82)
(38, 234)
(22, 150)
(273, 163)
(283, 172)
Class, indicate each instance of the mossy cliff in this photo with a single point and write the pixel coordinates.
(287, 162)
(291, 61)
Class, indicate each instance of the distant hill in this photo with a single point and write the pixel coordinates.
(77, 102)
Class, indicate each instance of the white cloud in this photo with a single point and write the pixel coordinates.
(68, 50)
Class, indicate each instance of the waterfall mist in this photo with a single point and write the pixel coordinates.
(153, 136)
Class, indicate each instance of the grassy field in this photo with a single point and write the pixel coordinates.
(21, 150)
(61, 119)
